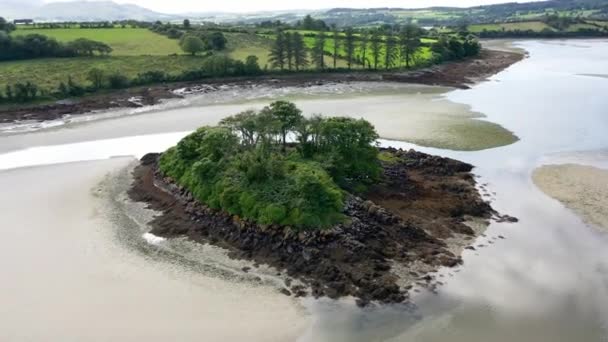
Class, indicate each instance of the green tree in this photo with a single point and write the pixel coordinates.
(349, 46)
(336, 47)
(364, 45)
(390, 51)
(186, 24)
(278, 52)
(318, 51)
(289, 54)
(191, 44)
(97, 77)
(252, 67)
(300, 54)
(376, 48)
(288, 117)
(409, 43)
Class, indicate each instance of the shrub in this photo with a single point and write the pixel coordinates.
(118, 81)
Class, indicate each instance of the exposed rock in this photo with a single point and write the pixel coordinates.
(403, 220)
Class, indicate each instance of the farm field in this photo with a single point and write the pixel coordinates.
(536, 26)
(47, 73)
(124, 41)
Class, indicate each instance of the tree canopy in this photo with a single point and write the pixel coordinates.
(277, 167)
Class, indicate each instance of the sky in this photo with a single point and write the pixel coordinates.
(182, 6)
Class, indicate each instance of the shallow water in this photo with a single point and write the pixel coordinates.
(547, 281)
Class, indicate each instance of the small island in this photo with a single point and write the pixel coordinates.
(315, 198)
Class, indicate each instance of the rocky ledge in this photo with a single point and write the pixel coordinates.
(397, 230)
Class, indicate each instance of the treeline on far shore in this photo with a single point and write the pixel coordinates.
(99, 79)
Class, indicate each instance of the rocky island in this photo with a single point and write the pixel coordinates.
(315, 199)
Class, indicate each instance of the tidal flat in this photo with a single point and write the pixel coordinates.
(581, 188)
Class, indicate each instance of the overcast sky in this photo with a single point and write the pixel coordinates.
(181, 6)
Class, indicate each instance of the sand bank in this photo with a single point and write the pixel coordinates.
(68, 276)
(583, 189)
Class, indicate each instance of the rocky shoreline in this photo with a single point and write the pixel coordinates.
(454, 74)
(401, 225)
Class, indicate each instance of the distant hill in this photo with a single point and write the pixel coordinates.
(78, 11)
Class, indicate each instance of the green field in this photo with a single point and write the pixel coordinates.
(47, 73)
(124, 41)
(241, 45)
(535, 26)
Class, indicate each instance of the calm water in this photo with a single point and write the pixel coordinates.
(547, 281)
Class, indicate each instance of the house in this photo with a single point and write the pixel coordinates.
(23, 21)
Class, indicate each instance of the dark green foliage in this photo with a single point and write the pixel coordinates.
(5, 26)
(70, 88)
(376, 48)
(311, 24)
(300, 55)
(39, 46)
(149, 77)
(243, 167)
(118, 81)
(252, 67)
(349, 46)
(455, 48)
(191, 44)
(390, 51)
(278, 52)
(318, 51)
(409, 43)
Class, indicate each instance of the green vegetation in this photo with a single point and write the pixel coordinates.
(147, 53)
(123, 41)
(247, 166)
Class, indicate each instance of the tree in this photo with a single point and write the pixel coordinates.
(96, 76)
(191, 44)
(376, 47)
(318, 51)
(300, 54)
(336, 40)
(349, 46)
(278, 52)
(287, 115)
(409, 43)
(6, 26)
(289, 50)
(390, 51)
(215, 41)
(186, 24)
(364, 45)
(252, 67)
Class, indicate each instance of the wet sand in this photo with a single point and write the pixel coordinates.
(583, 189)
(66, 277)
(413, 113)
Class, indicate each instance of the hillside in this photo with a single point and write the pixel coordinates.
(80, 11)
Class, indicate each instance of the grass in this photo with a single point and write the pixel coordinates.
(536, 26)
(241, 45)
(124, 41)
(47, 73)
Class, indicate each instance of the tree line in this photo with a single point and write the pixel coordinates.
(369, 49)
(99, 79)
(40, 46)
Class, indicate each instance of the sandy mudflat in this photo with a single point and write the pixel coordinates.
(583, 189)
(65, 277)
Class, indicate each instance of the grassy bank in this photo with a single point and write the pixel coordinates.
(124, 41)
(47, 73)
